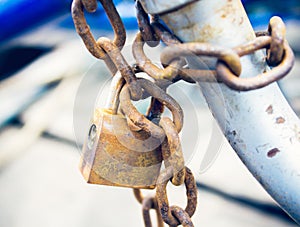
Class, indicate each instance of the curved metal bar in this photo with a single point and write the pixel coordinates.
(260, 125)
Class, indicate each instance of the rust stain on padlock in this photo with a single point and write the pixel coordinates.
(114, 155)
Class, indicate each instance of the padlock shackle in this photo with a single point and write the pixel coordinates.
(113, 97)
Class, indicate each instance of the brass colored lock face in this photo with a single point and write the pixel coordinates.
(114, 155)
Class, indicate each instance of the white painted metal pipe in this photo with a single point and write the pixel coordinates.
(260, 125)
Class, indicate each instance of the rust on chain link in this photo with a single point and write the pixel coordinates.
(258, 43)
(202, 49)
(174, 71)
(186, 74)
(83, 29)
(140, 120)
(151, 203)
(182, 216)
(90, 5)
(162, 198)
(147, 66)
(148, 203)
(172, 152)
(199, 75)
(144, 26)
(126, 71)
(276, 51)
(246, 84)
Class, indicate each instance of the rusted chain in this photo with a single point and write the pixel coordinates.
(202, 49)
(172, 151)
(276, 51)
(182, 216)
(126, 71)
(83, 29)
(90, 5)
(186, 74)
(144, 26)
(151, 69)
(140, 120)
(162, 198)
(198, 75)
(174, 71)
(148, 203)
(246, 84)
(258, 43)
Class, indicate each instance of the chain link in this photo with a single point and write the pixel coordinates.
(174, 68)
(148, 203)
(139, 119)
(145, 64)
(276, 51)
(182, 216)
(162, 198)
(225, 75)
(172, 152)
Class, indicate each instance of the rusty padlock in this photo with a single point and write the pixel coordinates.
(115, 155)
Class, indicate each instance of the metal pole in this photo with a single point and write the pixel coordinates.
(260, 125)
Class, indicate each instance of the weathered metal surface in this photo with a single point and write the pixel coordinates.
(148, 202)
(140, 120)
(226, 75)
(114, 155)
(145, 64)
(115, 55)
(162, 6)
(269, 149)
(182, 216)
(83, 29)
(172, 151)
(162, 199)
(276, 51)
(227, 55)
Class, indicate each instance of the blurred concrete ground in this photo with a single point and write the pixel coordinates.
(42, 186)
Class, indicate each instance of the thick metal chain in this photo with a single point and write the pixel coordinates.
(228, 68)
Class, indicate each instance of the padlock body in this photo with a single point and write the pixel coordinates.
(114, 155)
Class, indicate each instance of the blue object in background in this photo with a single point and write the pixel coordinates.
(99, 21)
(17, 16)
(260, 12)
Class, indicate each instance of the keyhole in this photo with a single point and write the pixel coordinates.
(92, 136)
